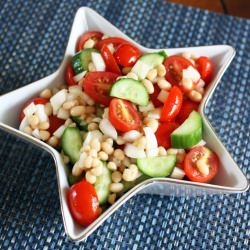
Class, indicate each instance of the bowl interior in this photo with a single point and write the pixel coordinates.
(230, 176)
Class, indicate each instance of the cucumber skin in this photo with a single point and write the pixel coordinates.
(130, 184)
(80, 124)
(183, 142)
(186, 141)
(102, 185)
(125, 94)
(72, 152)
(143, 165)
(74, 179)
(163, 53)
(81, 60)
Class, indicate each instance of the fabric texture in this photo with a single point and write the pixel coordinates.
(33, 38)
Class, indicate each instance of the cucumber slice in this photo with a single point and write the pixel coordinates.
(130, 89)
(148, 62)
(82, 125)
(81, 60)
(160, 166)
(102, 185)
(74, 179)
(127, 185)
(71, 143)
(189, 133)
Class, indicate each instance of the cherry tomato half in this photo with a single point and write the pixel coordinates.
(186, 108)
(54, 123)
(109, 59)
(123, 115)
(69, 75)
(163, 133)
(38, 100)
(153, 97)
(205, 67)
(127, 55)
(172, 105)
(83, 203)
(98, 84)
(114, 40)
(82, 39)
(198, 156)
(174, 66)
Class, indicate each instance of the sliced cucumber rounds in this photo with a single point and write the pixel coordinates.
(161, 166)
(81, 60)
(102, 185)
(72, 143)
(131, 90)
(189, 133)
(148, 62)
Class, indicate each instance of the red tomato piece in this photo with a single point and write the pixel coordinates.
(205, 67)
(127, 55)
(163, 133)
(198, 156)
(187, 107)
(114, 40)
(86, 36)
(38, 100)
(172, 105)
(83, 203)
(174, 66)
(98, 84)
(153, 97)
(69, 75)
(54, 123)
(109, 59)
(123, 115)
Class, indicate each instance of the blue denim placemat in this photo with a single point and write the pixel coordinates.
(33, 38)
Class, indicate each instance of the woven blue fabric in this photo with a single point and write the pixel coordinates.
(33, 38)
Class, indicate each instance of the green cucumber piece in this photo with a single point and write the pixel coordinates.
(81, 60)
(160, 166)
(71, 143)
(148, 62)
(127, 185)
(82, 125)
(102, 185)
(74, 179)
(189, 133)
(131, 90)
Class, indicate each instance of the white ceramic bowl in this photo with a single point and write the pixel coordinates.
(230, 179)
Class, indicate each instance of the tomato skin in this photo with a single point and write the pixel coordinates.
(153, 97)
(109, 59)
(38, 100)
(54, 123)
(114, 40)
(163, 133)
(186, 108)
(98, 84)
(127, 55)
(83, 203)
(205, 67)
(69, 75)
(172, 105)
(191, 169)
(123, 115)
(174, 66)
(83, 38)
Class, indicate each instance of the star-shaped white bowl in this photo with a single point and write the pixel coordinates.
(230, 178)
